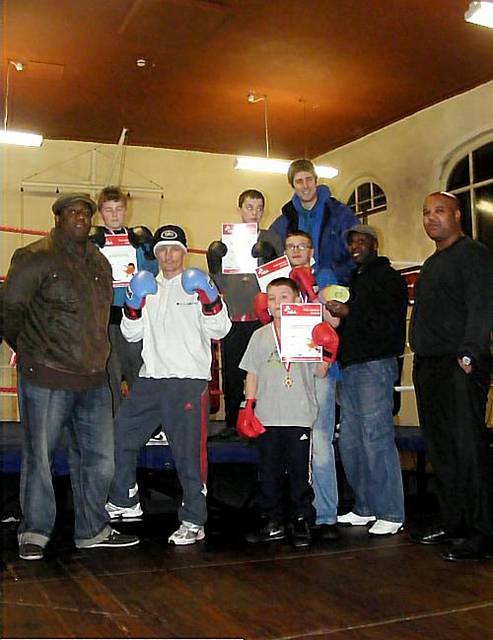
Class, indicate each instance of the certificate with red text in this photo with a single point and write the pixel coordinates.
(277, 268)
(297, 322)
(239, 240)
(122, 257)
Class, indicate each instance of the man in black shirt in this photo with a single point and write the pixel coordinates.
(450, 335)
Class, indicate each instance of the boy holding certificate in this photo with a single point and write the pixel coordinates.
(239, 291)
(281, 407)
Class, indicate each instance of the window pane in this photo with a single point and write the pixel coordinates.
(482, 162)
(377, 191)
(380, 201)
(465, 207)
(460, 175)
(364, 192)
(484, 215)
(364, 206)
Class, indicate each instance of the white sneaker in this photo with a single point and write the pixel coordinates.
(126, 513)
(355, 520)
(187, 533)
(385, 528)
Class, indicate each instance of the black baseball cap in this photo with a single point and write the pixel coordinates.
(169, 234)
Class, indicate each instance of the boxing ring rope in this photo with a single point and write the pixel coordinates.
(12, 391)
(37, 232)
(28, 232)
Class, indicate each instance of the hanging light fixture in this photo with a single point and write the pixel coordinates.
(480, 13)
(268, 164)
(9, 136)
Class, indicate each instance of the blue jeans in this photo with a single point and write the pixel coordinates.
(85, 419)
(323, 459)
(367, 439)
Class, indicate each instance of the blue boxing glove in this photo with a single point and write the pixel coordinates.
(141, 285)
(196, 281)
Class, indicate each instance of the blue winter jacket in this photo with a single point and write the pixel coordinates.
(330, 218)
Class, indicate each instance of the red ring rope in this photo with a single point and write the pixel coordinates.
(35, 232)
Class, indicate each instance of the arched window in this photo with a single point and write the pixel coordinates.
(366, 199)
(471, 180)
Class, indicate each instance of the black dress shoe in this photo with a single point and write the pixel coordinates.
(432, 536)
(465, 550)
(327, 532)
(300, 534)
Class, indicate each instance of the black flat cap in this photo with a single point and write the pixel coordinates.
(68, 198)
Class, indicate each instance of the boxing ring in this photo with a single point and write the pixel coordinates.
(408, 439)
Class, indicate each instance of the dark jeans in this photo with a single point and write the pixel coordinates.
(85, 419)
(451, 407)
(285, 450)
(123, 364)
(181, 405)
(233, 347)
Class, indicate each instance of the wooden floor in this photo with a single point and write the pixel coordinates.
(356, 588)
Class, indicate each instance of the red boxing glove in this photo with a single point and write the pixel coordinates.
(248, 425)
(326, 337)
(261, 308)
(304, 278)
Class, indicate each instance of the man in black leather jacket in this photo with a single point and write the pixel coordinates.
(57, 298)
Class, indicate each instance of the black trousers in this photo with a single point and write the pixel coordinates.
(285, 450)
(451, 407)
(123, 364)
(232, 349)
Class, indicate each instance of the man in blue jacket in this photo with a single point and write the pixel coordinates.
(313, 209)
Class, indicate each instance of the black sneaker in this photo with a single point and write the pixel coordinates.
(327, 532)
(30, 551)
(300, 534)
(114, 539)
(272, 530)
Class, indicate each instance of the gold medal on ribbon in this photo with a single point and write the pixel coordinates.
(288, 380)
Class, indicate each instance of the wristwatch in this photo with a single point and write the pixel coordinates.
(466, 360)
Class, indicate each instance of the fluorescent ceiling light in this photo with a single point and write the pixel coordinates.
(480, 13)
(270, 165)
(20, 138)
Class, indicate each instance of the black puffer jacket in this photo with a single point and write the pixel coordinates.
(376, 325)
(56, 306)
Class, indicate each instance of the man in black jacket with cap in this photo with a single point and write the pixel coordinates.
(372, 332)
(57, 298)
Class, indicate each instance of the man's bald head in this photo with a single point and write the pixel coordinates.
(454, 200)
(442, 218)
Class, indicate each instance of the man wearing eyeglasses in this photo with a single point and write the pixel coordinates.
(314, 210)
